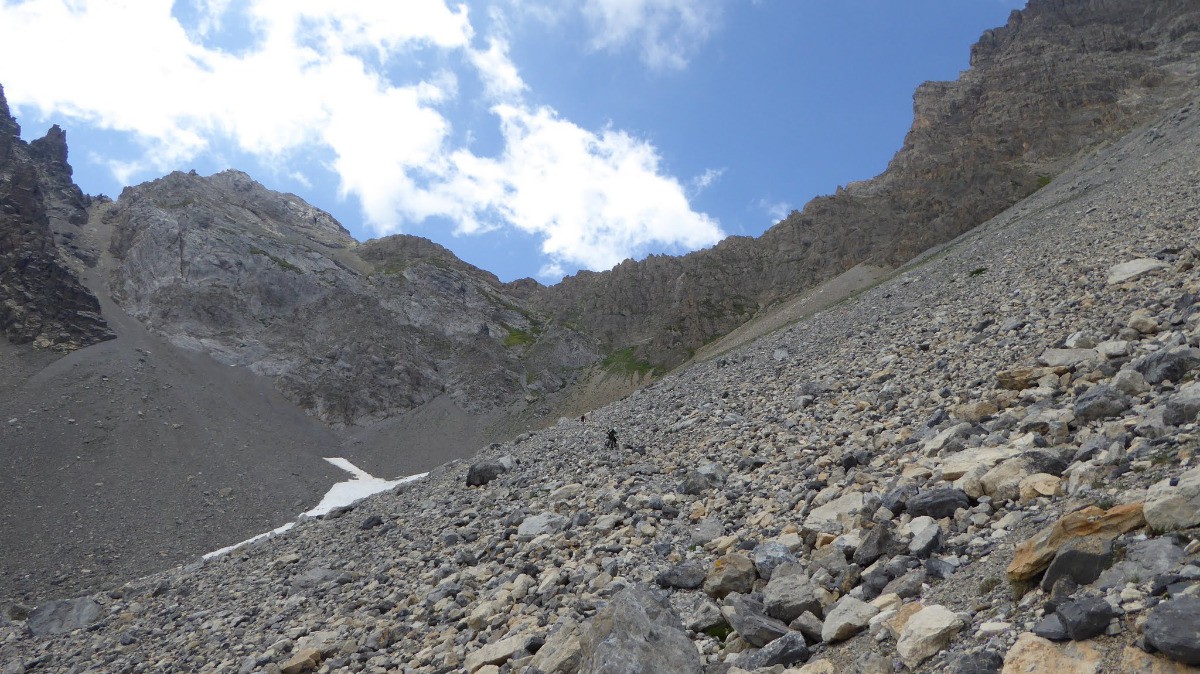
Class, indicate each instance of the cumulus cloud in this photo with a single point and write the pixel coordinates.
(321, 75)
(705, 180)
(667, 32)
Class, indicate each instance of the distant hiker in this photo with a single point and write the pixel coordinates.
(582, 418)
(612, 439)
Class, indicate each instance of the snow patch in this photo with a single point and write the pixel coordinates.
(341, 494)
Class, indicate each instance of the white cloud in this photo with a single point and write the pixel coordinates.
(705, 180)
(776, 210)
(317, 77)
(667, 32)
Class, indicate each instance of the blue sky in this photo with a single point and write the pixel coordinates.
(531, 137)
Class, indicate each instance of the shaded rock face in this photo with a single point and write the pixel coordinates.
(42, 301)
(350, 332)
(1061, 76)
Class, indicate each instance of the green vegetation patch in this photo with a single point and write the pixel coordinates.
(283, 264)
(518, 337)
(625, 362)
(978, 271)
(1044, 180)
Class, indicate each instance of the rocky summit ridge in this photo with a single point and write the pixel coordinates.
(986, 463)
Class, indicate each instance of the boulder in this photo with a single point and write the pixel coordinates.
(848, 617)
(1035, 554)
(787, 650)
(497, 652)
(769, 556)
(688, 575)
(1168, 364)
(637, 632)
(561, 652)
(958, 464)
(835, 514)
(1032, 654)
(733, 572)
(1082, 560)
(483, 472)
(545, 523)
(926, 633)
(1101, 402)
(1066, 357)
(1174, 503)
(64, 615)
(790, 593)
(1136, 660)
(1127, 271)
(1173, 627)
(1183, 407)
(749, 619)
(938, 503)
(1085, 618)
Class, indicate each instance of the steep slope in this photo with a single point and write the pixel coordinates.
(41, 299)
(1061, 77)
(353, 333)
(852, 491)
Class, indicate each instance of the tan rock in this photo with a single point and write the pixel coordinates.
(895, 624)
(1035, 655)
(957, 464)
(815, 667)
(1039, 484)
(1021, 378)
(1136, 660)
(975, 411)
(1034, 555)
(926, 634)
(496, 653)
(303, 660)
(1003, 482)
(562, 651)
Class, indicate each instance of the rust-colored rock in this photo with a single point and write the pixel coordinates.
(1035, 554)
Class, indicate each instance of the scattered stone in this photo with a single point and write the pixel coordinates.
(1168, 364)
(688, 575)
(848, 617)
(787, 650)
(1034, 555)
(562, 651)
(497, 652)
(749, 619)
(1085, 618)
(545, 523)
(1100, 402)
(733, 572)
(926, 633)
(303, 660)
(1032, 654)
(1082, 560)
(483, 472)
(1127, 271)
(1173, 627)
(789, 594)
(1137, 660)
(637, 632)
(1174, 503)
(57, 617)
(938, 503)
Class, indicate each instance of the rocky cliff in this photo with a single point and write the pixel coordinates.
(41, 299)
(1062, 76)
(350, 332)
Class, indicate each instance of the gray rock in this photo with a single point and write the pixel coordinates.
(733, 572)
(1051, 627)
(1100, 402)
(483, 472)
(1183, 407)
(1143, 560)
(64, 615)
(926, 540)
(1168, 364)
(749, 619)
(809, 625)
(1174, 504)
(688, 575)
(637, 632)
(545, 523)
(848, 617)
(1173, 627)
(790, 594)
(1127, 271)
(977, 662)
(705, 616)
(769, 556)
(938, 503)
(707, 530)
(879, 541)
(1085, 618)
(1082, 560)
(789, 649)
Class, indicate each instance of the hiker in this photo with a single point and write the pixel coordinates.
(612, 439)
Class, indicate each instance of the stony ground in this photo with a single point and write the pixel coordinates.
(879, 488)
